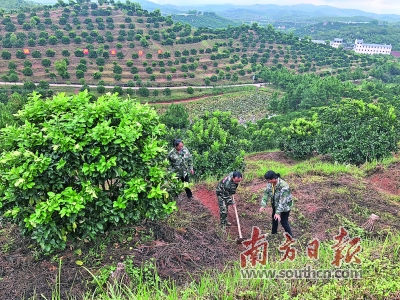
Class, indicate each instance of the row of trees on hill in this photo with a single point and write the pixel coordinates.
(371, 32)
(237, 53)
(310, 90)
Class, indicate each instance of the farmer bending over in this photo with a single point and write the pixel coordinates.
(225, 188)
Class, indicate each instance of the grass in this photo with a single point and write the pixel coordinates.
(313, 167)
(380, 258)
(380, 264)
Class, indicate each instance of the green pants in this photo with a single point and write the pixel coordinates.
(223, 203)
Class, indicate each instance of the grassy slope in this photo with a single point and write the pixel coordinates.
(342, 195)
(380, 249)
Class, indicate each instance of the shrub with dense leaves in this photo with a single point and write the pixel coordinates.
(299, 138)
(216, 148)
(78, 166)
(353, 131)
(176, 116)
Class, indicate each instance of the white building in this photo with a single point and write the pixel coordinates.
(319, 42)
(360, 47)
(336, 43)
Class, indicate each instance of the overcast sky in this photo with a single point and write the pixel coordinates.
(374, 6)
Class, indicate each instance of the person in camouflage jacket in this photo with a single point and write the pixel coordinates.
(278, 192)
(225, 189)
(181, 162)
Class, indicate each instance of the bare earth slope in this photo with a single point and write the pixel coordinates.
(190, 241)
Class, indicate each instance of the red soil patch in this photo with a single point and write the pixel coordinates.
(383, 183)
(208, 199)
(311, 207)
(257, 187)
(247, 212)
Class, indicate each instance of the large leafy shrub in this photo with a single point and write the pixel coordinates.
(215, 145)
(299, 138)
(78, 166)
(176, 116)
(353, 131)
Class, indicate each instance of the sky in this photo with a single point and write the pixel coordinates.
(373, 6)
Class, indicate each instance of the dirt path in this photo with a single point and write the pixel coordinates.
(135, 88)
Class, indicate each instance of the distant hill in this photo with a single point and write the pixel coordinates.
(15, 4)
(371, 32)
(265, 13)
(206, 19)
(273, 12)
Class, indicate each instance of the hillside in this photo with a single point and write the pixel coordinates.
(371, 32)
(204, 19)
(272, 12)
(189, 242)
(17, 4)
(125, 45)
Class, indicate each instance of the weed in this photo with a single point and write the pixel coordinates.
(104, 274)
(313, 179)
(146, 237)
(354, 229)
(147, 273)
(361, 211)
(340, 190)
(249, 196)
(301, 219)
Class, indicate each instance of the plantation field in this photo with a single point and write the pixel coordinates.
(122, 45)
(244, 106)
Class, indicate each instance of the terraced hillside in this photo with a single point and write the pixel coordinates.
(125, 45)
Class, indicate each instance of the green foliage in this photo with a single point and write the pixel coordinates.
(215, 146)
(353, 131)
(9, 105)
(263, 136)
(190, 90)
(176, 116)
(144, 92)
(167, 92)
(300, 136)
(78, 166)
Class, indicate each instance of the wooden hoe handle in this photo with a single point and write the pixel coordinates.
(237, 220)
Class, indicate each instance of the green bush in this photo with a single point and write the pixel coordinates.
(101, 89)
(20, 54)
(176, 116)
(190, 90)
(167, 92)
(144, 92)
(299, 138)
(46, 62)
(78, 166)
(215, 147)
(27, 71)
(353, 131)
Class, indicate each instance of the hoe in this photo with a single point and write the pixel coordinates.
(240, 239)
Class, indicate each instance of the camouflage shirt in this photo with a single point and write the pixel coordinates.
(226, 187)
(180, 162)
(280, 196)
